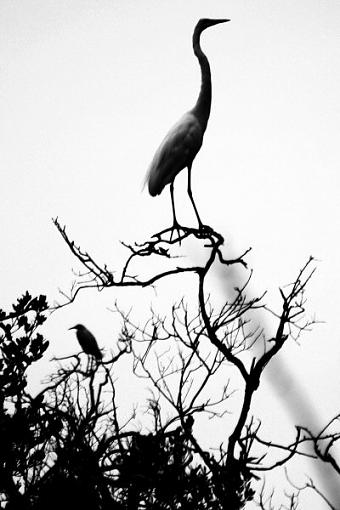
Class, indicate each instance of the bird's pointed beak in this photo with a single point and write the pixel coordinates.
(217, 21)
(73, 327)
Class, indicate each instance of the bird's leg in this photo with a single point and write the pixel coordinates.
(176, 225)
(90, 363)
(200, 224)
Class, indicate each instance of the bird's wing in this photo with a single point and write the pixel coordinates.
(177, 151)
(94, 346)
(87, 342)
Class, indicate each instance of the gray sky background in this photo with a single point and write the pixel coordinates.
(88, 90)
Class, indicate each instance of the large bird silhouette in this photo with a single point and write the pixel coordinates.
(184, 140)
(87, 341)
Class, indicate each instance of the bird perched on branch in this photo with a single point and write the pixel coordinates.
(184, 140)
(87, 341)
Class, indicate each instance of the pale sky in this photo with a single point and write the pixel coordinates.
(88, 90)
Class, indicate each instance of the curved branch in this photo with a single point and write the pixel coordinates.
(100, 277)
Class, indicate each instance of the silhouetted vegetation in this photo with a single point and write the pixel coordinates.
(69, 445)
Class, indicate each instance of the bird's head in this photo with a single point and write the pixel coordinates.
(207, 22)
(78, 327)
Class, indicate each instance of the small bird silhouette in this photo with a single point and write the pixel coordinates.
(184, 140)
(87, 341)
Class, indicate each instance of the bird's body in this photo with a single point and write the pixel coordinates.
(87, 341)
(182, 143)
(177, 151)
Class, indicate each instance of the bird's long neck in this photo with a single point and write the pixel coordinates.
(203, 104)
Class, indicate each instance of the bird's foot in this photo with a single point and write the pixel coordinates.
(204, 230)
(171, 229)
(178, 227)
